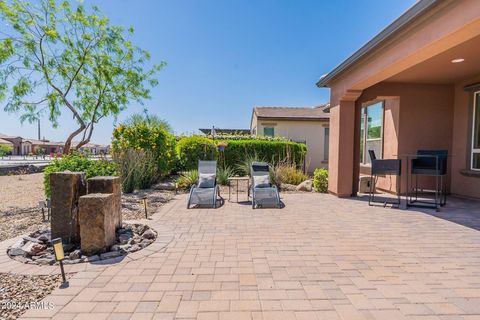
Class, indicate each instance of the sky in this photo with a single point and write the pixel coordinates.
(226, 56)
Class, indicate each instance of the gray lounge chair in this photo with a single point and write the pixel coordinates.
(205, 192)
(263, 192)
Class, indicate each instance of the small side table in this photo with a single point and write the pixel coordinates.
(238, 179)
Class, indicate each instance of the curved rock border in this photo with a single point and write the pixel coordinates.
(35, 248)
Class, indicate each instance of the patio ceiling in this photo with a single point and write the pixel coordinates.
(440, 69)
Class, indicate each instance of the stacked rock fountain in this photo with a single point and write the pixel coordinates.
(87, 216)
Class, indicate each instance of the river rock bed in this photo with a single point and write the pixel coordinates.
(36, 248)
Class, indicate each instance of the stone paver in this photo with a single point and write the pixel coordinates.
(318, 258)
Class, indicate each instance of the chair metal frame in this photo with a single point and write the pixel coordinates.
(384, 167)
(265, 168)
(206, 167)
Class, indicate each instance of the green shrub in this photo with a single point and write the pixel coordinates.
(271, 151)
(5, 150)
(151, 135)
(187, 179)
(247, 137)
(194, 148)
(223, 174)
(320, 180)
(138, 169)
(288, 173)
(77, 162)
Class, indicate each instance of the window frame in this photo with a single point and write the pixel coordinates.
(473, 150)
(364, 120)
(326, 143)
(273, 131)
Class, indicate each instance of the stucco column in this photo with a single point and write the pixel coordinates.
(341, 156)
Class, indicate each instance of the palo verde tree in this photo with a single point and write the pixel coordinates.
(56, 57)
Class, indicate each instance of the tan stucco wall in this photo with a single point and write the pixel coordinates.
(461, 184)
(313, 132)
(417, 116)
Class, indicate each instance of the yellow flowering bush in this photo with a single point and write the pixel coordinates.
(146, 134)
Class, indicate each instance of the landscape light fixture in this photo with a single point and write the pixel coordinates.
(458, 60)
(42, 205)
(145, 206)
(60, 256)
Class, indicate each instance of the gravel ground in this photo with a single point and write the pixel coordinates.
(19, 197)
(19, 214)
(132, 203)
(19, 292)
(21, 191)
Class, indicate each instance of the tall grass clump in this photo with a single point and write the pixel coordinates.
(223, 174)
(289, 174)
(138, 169)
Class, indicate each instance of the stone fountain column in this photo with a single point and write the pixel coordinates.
(97, 223)
(109, 184)
(66, 189)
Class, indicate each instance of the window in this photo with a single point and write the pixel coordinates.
(326, 143)
(269, 131)
(475, 161)
(371, 131)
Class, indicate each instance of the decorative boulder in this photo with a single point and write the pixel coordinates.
(306, 185)
(109, 184)
(97, 223)
(65, 189)
(165, 186)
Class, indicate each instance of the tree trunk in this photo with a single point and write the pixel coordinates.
(67, 148)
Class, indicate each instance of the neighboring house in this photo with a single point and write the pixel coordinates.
(307, 125)
(22, 146)
(45, 147)
(218, 131)
(18, 144)
(6, 143)
(95, 149)
(416, 85)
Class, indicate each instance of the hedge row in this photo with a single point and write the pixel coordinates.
(192, 149)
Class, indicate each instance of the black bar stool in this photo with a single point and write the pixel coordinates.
(384, 167)
(431, 163)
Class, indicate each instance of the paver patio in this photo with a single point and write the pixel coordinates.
(320, 257)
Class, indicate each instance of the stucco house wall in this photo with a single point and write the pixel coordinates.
(310, 132)
(462, 182)
(425, 60)
(416, 116)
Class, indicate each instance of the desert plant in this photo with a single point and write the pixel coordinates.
(223, 174)
(187, 179)
(77, 162)
(290, 174)
(320, 180)
(138, 169)
(149, 134)
(243, 167)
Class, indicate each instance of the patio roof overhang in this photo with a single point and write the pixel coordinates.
(418, 50)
